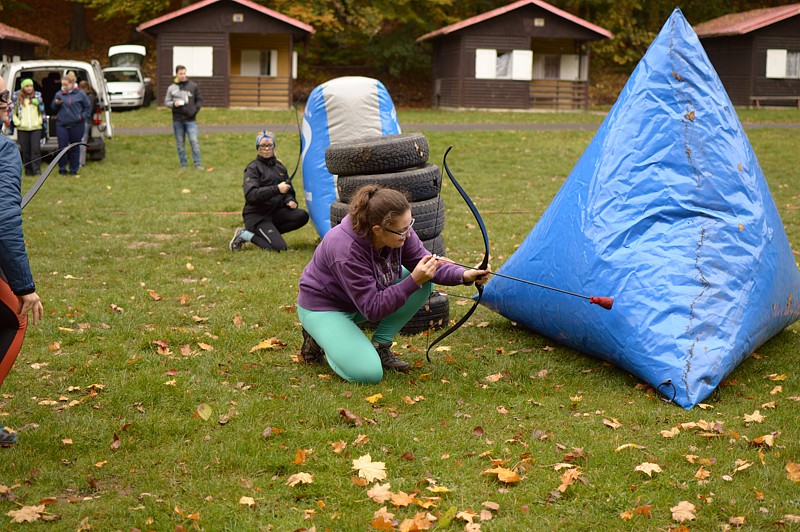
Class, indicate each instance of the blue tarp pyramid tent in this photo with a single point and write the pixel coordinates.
(669, 212)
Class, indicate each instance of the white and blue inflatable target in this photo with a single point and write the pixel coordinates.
(339, 110)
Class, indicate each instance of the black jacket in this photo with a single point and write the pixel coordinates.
(260, 186)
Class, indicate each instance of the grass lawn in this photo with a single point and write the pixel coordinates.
(144, 400)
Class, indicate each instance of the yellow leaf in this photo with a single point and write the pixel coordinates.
(438, 489)
(577, 399)
(247, 501)
(629, 446)
(568, 478)
(380, 493)
(674, 431)
(401, 499)
(338, 446)
(272, 343)
(504, 474)
(173, 382)
(776, 390)
(368, 469)
(684, 511)
(299, 478)
(374, 398)
(776, 377)
(755, 417)
(702, 473)
(204, 347)
(648, 468)
(613, 423)
(204, 411)
(793, 471)
(626, 515)
(736, 521)
(493, 378)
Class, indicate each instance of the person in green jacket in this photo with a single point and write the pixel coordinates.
(27, 118)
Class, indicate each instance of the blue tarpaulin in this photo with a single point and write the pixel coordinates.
(342, 109)
(669, 212)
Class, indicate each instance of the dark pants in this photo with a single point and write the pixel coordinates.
(267, 230)
(66, 136)
(31, 148)
(12, 329)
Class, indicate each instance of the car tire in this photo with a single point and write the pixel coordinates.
(418, 184)
(98, 155)
(433, 315)
(428, 216)
(435, 245)
(377, 155)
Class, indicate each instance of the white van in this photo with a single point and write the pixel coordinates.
(46, 75)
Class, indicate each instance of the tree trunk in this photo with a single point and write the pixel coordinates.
(78, 37)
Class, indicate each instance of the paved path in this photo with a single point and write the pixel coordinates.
(292, 128)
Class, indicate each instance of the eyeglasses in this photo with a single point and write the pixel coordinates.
(265, 146)
(402, 233)
(5, 97)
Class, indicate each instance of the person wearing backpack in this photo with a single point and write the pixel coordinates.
(27, 116)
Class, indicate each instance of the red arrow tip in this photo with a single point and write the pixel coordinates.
(605, 302)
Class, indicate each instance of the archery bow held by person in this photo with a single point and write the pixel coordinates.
(370, 267)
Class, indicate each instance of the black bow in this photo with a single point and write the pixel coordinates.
(482, 266)
(50, 167)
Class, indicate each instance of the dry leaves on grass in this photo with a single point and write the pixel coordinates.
(272, 343)
(793, 471)
(648, 468)
(29, 514)
(299, 478)
(684, 511)
(369, 470)
(503, 474)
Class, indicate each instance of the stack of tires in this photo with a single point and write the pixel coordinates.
(399, 162)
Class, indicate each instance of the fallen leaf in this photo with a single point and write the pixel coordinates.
(629, 446)
(568, 478)
(204, 411)
(372, 399)
(205, 347)
(271, 343)
(503, 474)
(338, 446)
(755, 417)
(736, 521)
(402, 499)
(793, 471)
(674, 431)
(299, 457)
(648, 468)
(27, 514)
(299, 478)
(613, 423)
(154, 295)
(684, 511)
(380, 493)
(368, 469)
(778, 389)
(776, 377)
(702, 473)
(247, 501)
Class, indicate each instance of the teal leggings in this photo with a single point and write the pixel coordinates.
(348, 351)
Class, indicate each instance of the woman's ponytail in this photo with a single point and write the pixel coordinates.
(374, 205)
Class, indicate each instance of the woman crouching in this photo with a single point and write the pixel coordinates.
(360, 272)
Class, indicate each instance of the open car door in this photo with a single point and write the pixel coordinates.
(103, 99)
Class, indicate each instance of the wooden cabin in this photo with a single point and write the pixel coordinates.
(240, 53)
(756, 54)
(525, 55)
(18, 45)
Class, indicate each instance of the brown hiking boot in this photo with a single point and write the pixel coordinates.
(388, 359)
(311, 351)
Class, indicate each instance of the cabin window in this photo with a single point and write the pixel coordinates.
(259, 63)
(568, 67)
(783, 64)
(503, 64)
(198, 60)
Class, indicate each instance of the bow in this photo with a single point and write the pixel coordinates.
(50, 167)
(484, 263)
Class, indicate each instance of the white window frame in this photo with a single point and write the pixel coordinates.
(511, 64)
(198, 60)
(485, 63)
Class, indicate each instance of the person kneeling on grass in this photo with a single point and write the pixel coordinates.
(360, 272)
(270, 207)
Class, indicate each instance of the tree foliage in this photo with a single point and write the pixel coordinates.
(380, 35)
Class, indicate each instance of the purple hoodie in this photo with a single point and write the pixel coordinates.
(347, 274)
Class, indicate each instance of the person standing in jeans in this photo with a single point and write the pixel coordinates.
(183, 97)
(74, 109)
